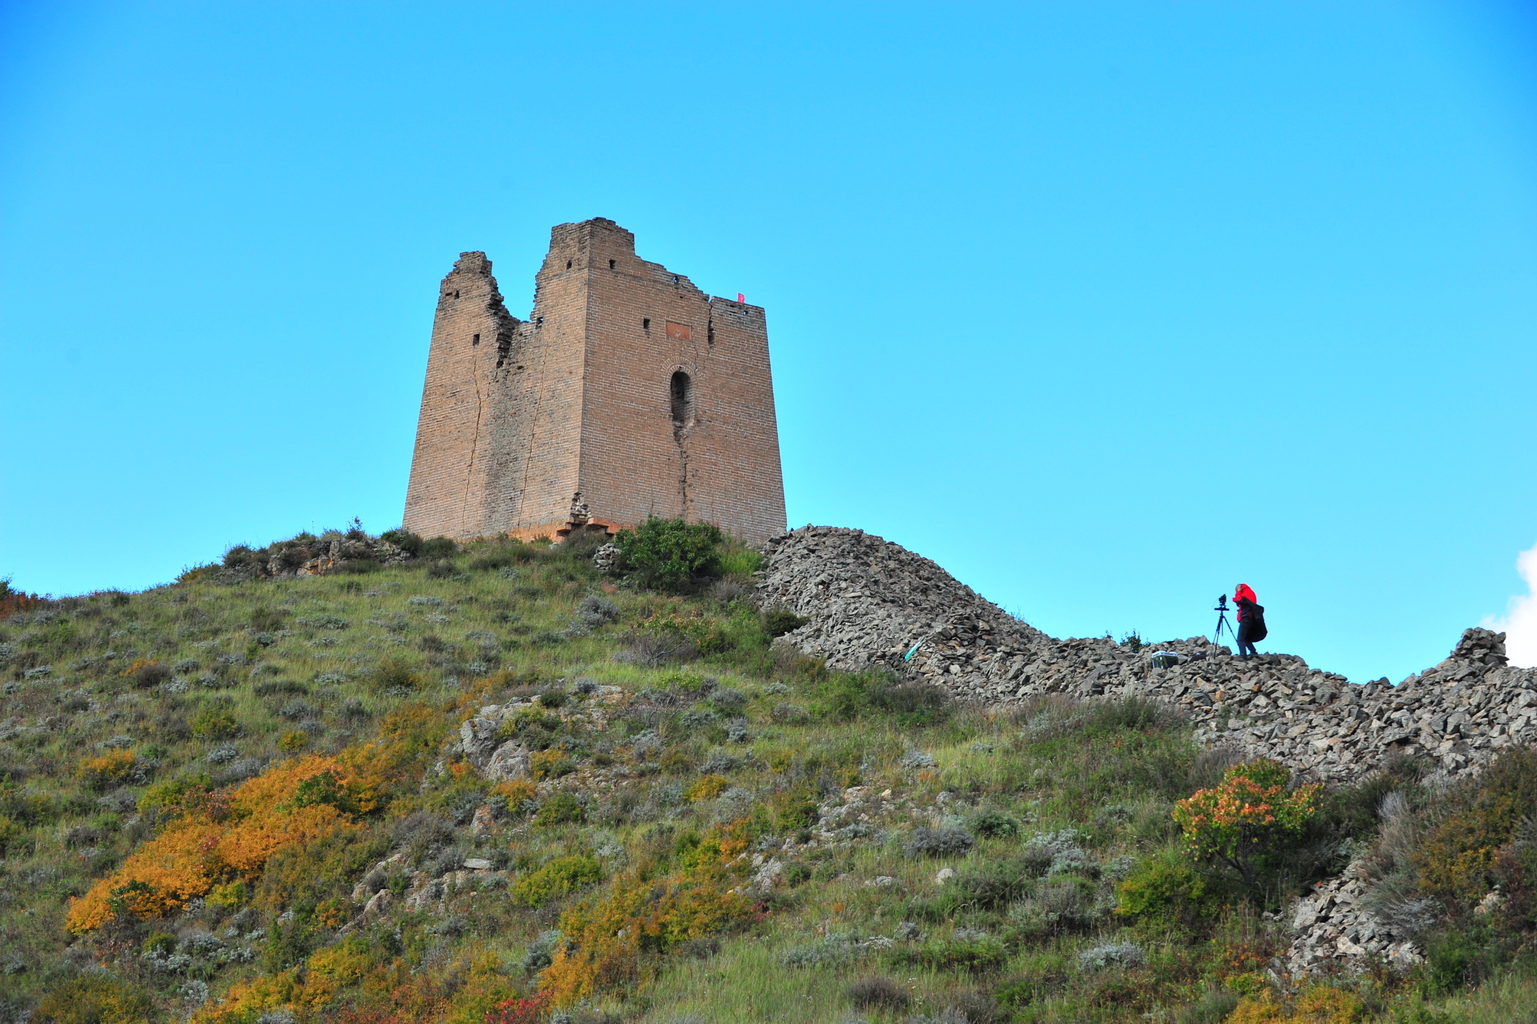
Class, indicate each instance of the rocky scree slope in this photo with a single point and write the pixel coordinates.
(870, 602)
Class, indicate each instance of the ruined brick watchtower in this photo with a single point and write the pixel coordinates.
(627, 393)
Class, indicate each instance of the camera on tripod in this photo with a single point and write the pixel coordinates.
(1222, 623)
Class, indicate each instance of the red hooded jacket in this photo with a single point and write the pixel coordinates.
(1242, 594)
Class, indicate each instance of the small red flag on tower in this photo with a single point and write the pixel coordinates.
(741, 298)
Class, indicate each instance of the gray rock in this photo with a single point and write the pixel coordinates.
(477, 738)
(509, 762)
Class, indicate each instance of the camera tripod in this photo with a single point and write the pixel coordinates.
(1222, 623)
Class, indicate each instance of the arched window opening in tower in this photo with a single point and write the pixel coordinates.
(682, 399)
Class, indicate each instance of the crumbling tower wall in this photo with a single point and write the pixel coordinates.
(627, 393)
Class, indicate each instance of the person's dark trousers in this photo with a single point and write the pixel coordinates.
(1245, 645)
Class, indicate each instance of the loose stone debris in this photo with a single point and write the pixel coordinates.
(873, 603)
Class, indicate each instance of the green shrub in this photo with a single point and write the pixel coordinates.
(394, 675)
(963, 951)
(1130, 714)
(288, 944)
(438, 547)
(575, 552)
(994, 825)
(779, 620)
(739, 562)
(324, 788)
(988, 887)
(15, 838)
(559, 808)
(240, 557)
(172, 797)
(503, 555)
(267, 620)
(1453, 959)
(95, 999)
(1457, 858)
(405, 540)
(557, 878)
(215, 722)
(912, 705)
(669, 554)
(533, 725)
(1041, 975)
(841, 697)
(879, 993)
(795, 808)
(1165, 889)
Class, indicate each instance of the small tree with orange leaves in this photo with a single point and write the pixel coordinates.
(1249, 816)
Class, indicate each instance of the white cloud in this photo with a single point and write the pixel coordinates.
(1519, 624)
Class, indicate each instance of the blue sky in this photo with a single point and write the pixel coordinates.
(1104, 307)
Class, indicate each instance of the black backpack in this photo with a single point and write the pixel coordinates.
(1256, 623)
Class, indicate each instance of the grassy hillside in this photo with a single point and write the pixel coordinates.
(244, 798)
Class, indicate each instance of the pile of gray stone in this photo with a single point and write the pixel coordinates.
(1333, 926)
(872, 603)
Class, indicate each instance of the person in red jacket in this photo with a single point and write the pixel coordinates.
(1250, 620)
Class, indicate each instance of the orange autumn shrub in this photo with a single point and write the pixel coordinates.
(291, 803)
(146, 673)
(107, 770)
(515, 791)
(245, 1000)
(333, 969)
(1251, 814)
(609, 935)
(355, 982)
(407, 745)
(13, 601)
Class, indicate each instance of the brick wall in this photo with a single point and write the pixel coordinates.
(580, 399)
